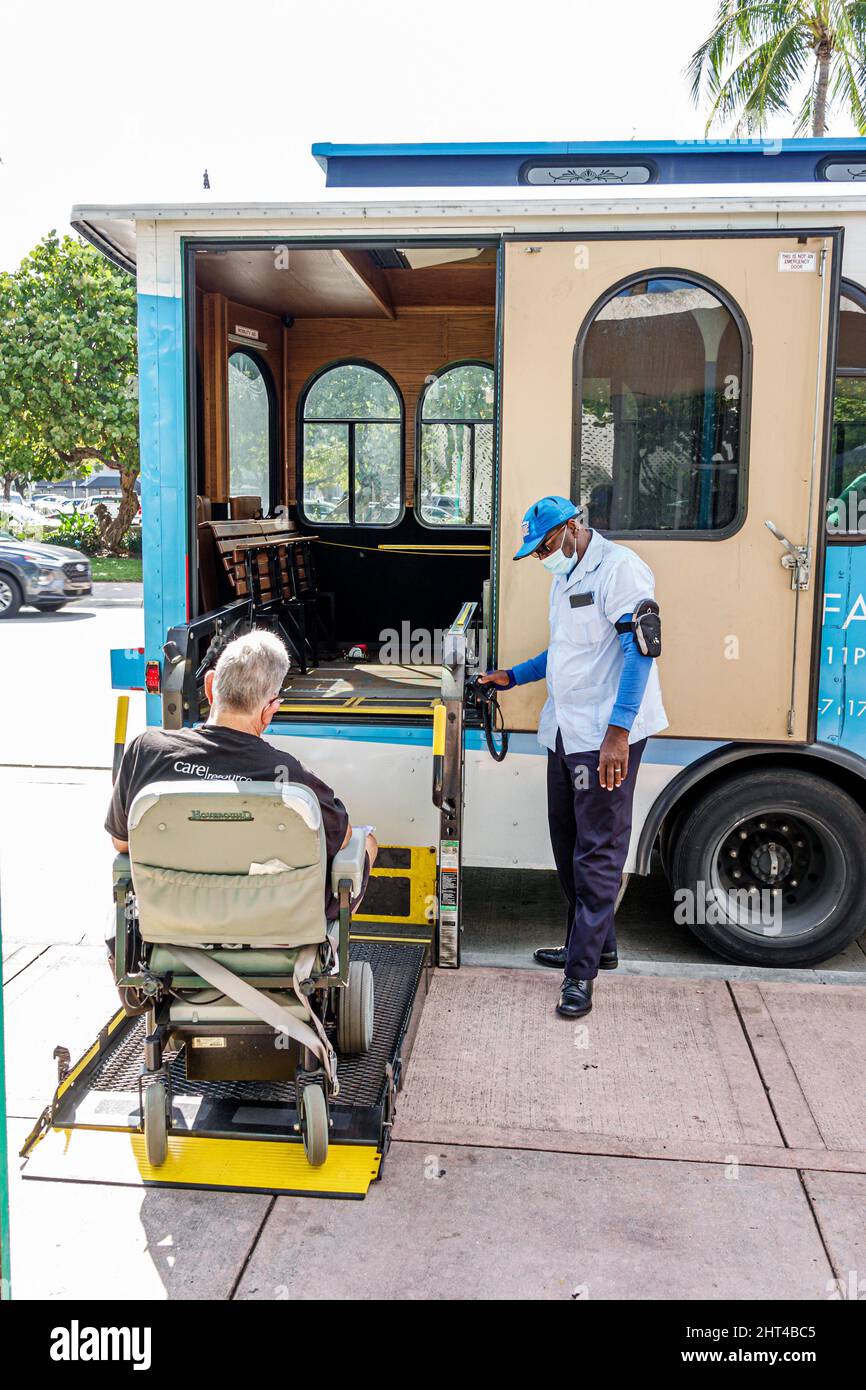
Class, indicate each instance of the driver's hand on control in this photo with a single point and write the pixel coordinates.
(500, 678)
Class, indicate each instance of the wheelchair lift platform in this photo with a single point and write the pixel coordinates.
(242, 1135)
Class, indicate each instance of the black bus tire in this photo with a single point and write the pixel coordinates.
(806, 820)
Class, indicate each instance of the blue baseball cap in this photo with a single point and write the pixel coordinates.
(541, 518)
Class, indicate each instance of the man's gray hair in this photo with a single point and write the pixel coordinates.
(250, 671)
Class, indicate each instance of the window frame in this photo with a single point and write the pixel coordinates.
(848, 289)
(301, 421)
(273, 429)
(442, 420)
(742, 324)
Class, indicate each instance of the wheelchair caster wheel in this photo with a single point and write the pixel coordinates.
(314, 1125)
(355, 1009)
(155, 1123)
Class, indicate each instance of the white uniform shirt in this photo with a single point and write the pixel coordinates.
(585, 659)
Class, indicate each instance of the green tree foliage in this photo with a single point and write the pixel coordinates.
(358, 394)
(761, 52)
(68, 385)
(452, 402)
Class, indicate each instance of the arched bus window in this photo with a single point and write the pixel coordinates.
(846, 507)
(454, 485)
(661, 395)
(252, 430)
(351, 442)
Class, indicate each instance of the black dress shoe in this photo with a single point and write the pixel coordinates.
(554, 956)
(575, 998)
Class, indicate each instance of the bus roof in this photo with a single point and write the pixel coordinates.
(483, 212)
(592, 162)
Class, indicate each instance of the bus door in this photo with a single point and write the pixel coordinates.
(676, 387)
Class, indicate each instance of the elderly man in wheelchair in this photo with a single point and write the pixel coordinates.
(235, 881)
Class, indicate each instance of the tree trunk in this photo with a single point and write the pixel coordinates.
(114, 528)
(7, 486)
(819, 114)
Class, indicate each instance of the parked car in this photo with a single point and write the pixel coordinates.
(21, 515)
(49, 503)
(46, 577)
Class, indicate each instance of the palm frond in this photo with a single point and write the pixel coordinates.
(848, 82)
(739, 24)
(847, 19)
(761, 83)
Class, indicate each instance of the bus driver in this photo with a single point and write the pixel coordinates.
(604, 702)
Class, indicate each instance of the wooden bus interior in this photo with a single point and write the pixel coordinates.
(360, 557)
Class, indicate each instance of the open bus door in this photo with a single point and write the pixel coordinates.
(678, 386)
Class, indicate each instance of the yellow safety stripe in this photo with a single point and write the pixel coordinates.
(327, 708)
(88, 1057)
(194, 1160)
(440, 551)
(437, 549)
(440, 721)
(121, 719)
(393, 940)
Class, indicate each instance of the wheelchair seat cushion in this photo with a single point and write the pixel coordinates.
(229, 863)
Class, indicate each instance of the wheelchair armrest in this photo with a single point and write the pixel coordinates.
(348, 863)
(121, 869)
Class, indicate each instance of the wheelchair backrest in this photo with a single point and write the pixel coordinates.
(228, 863)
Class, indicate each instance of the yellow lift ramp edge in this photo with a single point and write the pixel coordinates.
(241, 1135)
(117, 1157)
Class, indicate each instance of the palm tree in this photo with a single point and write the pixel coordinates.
(760, 52)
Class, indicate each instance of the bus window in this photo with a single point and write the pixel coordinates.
(251, 433)
(455, 448)
(352, 448)
(659, 377)
(846, 506)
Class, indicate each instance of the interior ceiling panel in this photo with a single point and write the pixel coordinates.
(329, 283)
(303, 283)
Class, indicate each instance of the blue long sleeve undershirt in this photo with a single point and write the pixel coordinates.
(632, 681)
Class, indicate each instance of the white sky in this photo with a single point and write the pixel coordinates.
(117, 102)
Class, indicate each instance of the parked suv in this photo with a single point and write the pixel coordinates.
(45, 576)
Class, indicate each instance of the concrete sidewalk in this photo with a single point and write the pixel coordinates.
(689, 1139)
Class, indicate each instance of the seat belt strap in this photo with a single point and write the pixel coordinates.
(202, 963)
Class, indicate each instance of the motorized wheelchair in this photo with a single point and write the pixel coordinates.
(222, 937)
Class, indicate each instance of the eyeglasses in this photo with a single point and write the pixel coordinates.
(547, 546)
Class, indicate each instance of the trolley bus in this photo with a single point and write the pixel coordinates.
(346, 406)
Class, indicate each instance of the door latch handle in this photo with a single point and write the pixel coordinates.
(797, 558)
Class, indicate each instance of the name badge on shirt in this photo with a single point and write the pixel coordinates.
(580, 600)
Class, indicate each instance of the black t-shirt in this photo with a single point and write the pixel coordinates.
(213, 752)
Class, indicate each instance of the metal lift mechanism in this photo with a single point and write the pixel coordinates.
(244, 1134)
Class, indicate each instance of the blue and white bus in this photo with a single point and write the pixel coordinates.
(347, 405)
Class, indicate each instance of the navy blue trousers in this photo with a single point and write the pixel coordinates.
(589, 831)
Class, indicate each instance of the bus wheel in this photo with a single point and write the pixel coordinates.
(770, 869)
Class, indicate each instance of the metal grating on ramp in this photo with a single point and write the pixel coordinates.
(396, 971)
